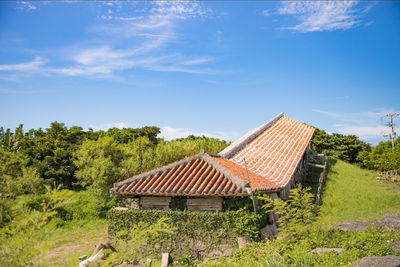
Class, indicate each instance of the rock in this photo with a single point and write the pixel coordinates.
(387, 261)
(242, 241)
(83, 257)
(274, 230)
(380, 178)
(266, 233)
(391, 222)
(355, 226)
(324, 250)
(149, 261)
(394, 180)
(396, 247)
(165, 259)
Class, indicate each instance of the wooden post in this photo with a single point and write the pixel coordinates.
(165, 259)
(321, 181)
(251, 189)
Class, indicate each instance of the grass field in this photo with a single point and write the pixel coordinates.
(353, 194)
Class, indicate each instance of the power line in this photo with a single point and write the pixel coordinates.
(392, 134)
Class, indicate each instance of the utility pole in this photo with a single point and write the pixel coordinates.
(392, 134)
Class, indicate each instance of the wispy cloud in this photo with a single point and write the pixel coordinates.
(314, 16)
(149, 31)
(25, 66)
(366, 125)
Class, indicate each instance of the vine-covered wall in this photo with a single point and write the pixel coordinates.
(199, 233)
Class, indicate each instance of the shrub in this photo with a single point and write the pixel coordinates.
(296, 214)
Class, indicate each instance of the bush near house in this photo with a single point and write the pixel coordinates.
(198, 233)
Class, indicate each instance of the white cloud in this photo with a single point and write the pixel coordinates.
(169, 133)
(323, 15)
(106, 126)
(26, 66)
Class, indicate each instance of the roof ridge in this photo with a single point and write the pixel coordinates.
(236, 146)
(236, 180)
(154, 171)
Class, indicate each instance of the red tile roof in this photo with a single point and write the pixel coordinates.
(194, 176)
(272, 152)
(276, 152)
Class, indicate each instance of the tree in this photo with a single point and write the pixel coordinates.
(99, 163)
(15, 177)
(344, 147)
(383, 157)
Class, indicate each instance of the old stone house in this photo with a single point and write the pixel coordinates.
(270, 159)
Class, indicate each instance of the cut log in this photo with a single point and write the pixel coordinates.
(97, 254)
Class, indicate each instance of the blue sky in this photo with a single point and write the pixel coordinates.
(214, 68)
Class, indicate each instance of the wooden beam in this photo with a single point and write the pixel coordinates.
(317, 165)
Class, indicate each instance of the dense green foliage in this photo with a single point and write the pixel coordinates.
(198, 232)
(344, 147)
(350, 149)
(76, 158)
(382, 157)
(103, 162)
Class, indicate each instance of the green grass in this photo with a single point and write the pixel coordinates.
(353, 194)
(63, 246)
